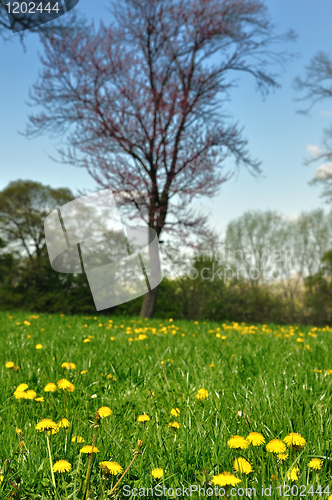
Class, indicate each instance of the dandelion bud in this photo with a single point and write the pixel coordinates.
(139, 445)
(5, 467)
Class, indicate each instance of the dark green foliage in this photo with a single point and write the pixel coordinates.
(30, 288)
(318, 296)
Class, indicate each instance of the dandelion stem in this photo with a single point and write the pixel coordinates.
(65, 487)
(125, 472)
(51, 463)
(75, 480)
(87, 477)
(103, 490)
(104, 486)
(165, 375)
(52, 402)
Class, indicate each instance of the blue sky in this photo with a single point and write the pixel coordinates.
(278, 136)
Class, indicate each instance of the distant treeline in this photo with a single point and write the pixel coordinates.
(268, 268)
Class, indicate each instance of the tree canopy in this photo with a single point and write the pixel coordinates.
(23, 207)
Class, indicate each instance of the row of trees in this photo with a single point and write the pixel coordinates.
(268, 268)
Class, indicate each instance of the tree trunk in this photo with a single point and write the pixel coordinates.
(153, 276)
(149, 303)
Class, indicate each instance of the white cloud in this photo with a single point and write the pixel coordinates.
(324, 171)
(314, 150)
(290, 217)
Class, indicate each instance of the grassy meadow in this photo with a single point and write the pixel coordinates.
(199, 383)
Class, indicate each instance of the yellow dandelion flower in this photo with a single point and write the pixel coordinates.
(242, 465)
(105, 411)
(68, 366)
(276, 446)
(238, 442)
(40, 399)
(64, 423)
(256, 438)
(328, 372)
(202, 394)
(315, 463)
(111, 377)
(62, 466)
(142, 336)
(47, 425)
(20, 395)
(50, 387)
(282, 456)
(295, 441)
(31, 394)
(19, 432)
(225, 479)
(143, 418)
(10, 364)
(317, 371)
(22, 387)
(77, 439)
(83, 372)
(88, 449)
(86, 341)
(65, 385)
(111, 467)
(292, 474)
(39, 346)
(157, 473)
(174, 425)
(175, 412)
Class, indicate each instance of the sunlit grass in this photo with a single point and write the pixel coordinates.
(265, 378)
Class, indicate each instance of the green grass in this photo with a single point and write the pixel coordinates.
(262, 379)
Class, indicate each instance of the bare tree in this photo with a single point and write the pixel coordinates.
(141, 102)
(316, 86)
(265, 247)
